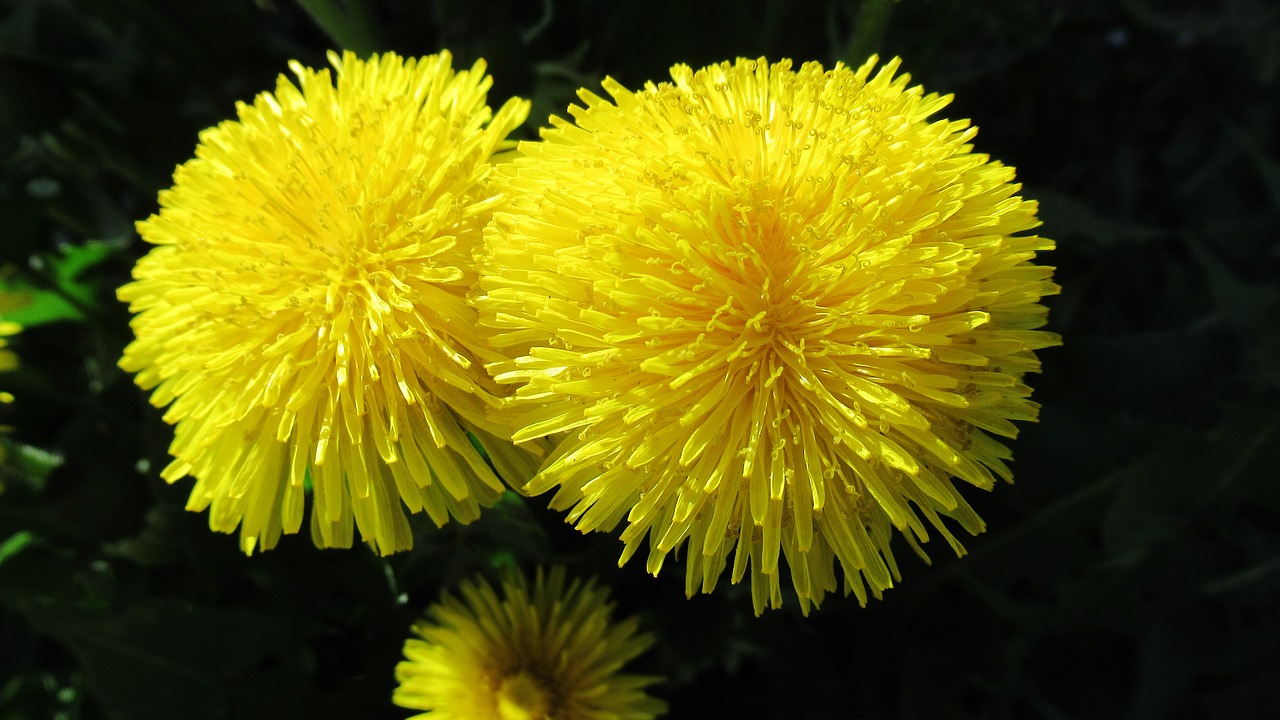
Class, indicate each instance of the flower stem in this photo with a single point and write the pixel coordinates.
(347, 23)
(868, 30)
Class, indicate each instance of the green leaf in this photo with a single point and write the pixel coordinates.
(1253, 308)
(75, 260)
(42, 306)
(349, 24)
(35, 464)
(1263, 573)
(1165, 665)
(163, 658)
(868, 31)
(1092, 232)
(14, 545)
(156, 545)
(59, 289)
(1162, 492)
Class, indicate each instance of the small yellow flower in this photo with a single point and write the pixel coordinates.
(8, 358)
(8, 361)
(770, 314)
(522, 653)
(10, 301)
(304, 313)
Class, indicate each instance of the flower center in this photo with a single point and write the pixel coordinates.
(770, 260)
(522, 697)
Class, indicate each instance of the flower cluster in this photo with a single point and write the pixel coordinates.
(770, 315)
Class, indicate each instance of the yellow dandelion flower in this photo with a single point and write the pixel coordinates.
(522, 653)
(772, 314)
(304, 315)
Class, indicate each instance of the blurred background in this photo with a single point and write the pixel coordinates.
(1132, 572)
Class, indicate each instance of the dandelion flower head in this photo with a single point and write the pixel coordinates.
(771, 314)
(303, 315)
(525, 653)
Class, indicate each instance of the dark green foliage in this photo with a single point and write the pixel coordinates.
(1133, 571)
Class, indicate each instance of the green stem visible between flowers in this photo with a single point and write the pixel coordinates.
(868, 30)
(347, 23)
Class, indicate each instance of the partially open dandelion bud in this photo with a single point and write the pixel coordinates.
(771, 315)
(526, 653)
(304, 313)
